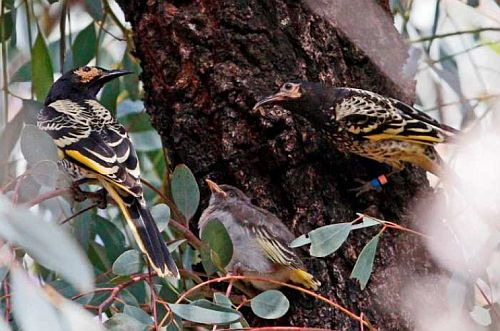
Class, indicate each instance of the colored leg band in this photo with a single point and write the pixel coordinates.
(379, 181)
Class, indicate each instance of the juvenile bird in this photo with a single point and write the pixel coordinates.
(260, 240)
(367, 124)
(94, 147)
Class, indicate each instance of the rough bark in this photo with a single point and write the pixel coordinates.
(205, 63)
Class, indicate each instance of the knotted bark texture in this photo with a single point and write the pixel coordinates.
(205, 63)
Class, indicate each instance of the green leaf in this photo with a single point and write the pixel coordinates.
(7, 23)
(124, 322)
(32, 310)
(161, 215)
(215, 237)
(185, 191)
(94, 8)
(364, 265)
(46, 173)
(202, 315)
(270, 304)
(41, 68)
(222, 300)
(109, 95)
(138, 314)
(84, 46)
(111, 236)
(366, 223)
(327, 239)
(146, 141)
(130, 262)
(28, 189)
(36, 236)
(23, 74)
(300, 241)
(173, 246)
(37, 145)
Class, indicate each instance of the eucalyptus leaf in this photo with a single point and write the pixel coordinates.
(23, 74)
(84, 46)
(161, 215)
(6, 25)
(124, 322)
(202, 315)
(270, 304)
(146, 141)
(215, 237)
(32, 310)
(300, 241)
(41, 68)
(327, 239)
(76, 318)
(46, 173)
(36, 236)
(130, 262)
(138, 314)
(366, 223)
(364, 265)
(109, 95)
(37, 145)
(185, 191)
(173, 246)
(94, 8)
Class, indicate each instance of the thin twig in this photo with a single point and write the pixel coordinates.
(49, 195)
(298, 288)
(6, 291)
(62, 30)
(4, 71)
(455, 33)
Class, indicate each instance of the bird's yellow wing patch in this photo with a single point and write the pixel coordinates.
(422, 139)
(88, 162)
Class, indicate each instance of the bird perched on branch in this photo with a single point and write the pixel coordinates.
(260, 240)
(94, 147)
(367, 124)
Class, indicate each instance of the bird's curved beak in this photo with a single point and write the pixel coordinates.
(112, 74)
(277, 97)
(215, 189)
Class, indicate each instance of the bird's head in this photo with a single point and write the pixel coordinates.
(86, 80)
(296, 96)
(225, 194)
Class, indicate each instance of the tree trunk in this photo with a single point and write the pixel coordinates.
(205, 64)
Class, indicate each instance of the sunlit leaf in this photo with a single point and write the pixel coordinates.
(41, 68)
(185, 191)
(37, 145)
(327, 239)
(202, 315)
(217, 244)
(366, 223)
(7, 23)
(32, 310)
(130, 262)
(270, 304)
(364, 265)
(36, 236)
(84, 46)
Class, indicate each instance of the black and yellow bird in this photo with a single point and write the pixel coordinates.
(260, 240)
(367, 124)
(94, 147)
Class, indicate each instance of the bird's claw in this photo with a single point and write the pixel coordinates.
(102, 199)
(78, 194)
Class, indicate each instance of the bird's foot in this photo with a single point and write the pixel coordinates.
(367, 186)
(101, 199)
(78, 194)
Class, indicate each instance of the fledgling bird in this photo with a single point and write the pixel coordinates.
(367, 124)
(94, 147)
(260, 239)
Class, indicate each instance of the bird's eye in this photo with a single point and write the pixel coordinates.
(86, 69)
(231, 194)
(288, 86)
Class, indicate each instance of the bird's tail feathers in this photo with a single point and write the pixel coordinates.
(304, 278)
(145, 232)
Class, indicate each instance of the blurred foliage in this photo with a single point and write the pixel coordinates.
(97, 269)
